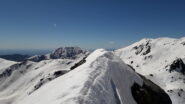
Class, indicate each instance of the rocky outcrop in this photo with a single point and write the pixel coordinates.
(60, 53)
(66, 52)
(7, 72)
(149, 93)
(177, 65)
(47, 79)
(143, 49)
(79, 63)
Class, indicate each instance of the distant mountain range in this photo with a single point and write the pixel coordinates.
(60, 53)
(150, 71)
(71, 75)
(29, 52)
(15, 57)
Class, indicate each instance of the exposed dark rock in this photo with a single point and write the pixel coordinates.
(151, 75)
(79, 63)
(148, 49)
(177, 65)
(143, 48)
(130, 57)
(45, 80)
(69, 63)
(179, 94)
(181, 90)
(59, 73)
(147, 57)
(171, 91)
(166, 66)
(8, 71)
(36, 68)
(131, 62)
(183, 43)
(149, 93)
(138, 49)
(38, 85)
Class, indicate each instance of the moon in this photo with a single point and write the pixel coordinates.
(55, 25)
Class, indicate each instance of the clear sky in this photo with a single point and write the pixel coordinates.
(48, 24)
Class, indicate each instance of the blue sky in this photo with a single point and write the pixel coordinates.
(48, 24)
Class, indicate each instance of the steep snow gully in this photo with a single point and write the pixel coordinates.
(100, 78)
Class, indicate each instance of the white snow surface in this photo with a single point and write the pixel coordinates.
(102, 79)
(5, 63)
(162, 53)
(25, 76)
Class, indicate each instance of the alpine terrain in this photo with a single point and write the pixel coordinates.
(162, 61)
(71, 75)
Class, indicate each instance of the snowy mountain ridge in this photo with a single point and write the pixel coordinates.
(92, 81)
(162, 61)
(61, 53)
(5, 64)
(100, 78)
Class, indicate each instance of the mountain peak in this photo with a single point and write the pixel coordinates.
(99, 78)
(160, 60)
(66, 52)
(61, 53)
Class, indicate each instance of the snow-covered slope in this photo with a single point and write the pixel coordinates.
(101, 78)
(89, 84)
(61, 53)
(5, 64)
(23, 79)
(161, 61)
